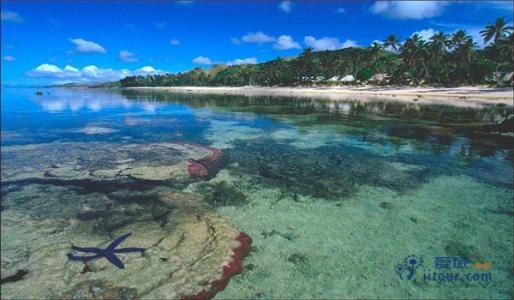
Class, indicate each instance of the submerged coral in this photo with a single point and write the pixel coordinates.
(221, 193)
(330, 172)
(190, 251)
(97, 161)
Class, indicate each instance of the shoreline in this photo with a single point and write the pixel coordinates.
(458, 96)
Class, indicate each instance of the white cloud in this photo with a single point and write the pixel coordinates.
(127, 56)
(202, 60)
(11, 16)
(257, 37)
(174, 42)
(349, 43)
(408, 9)
(238, 61)
(425, 34)
(87, 74)
(285, 42)
(71, 69)
(285, 6)
(340, 10)
(146, 70)
(46, 69)
(8, 58)
(83, 46)
(327, 43)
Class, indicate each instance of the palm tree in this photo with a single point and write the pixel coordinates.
(438, 46)
(458, 38)
(392, 42)
(496, 31)
(375, 50)
(463, 48)
(439, 42)
(415, 52)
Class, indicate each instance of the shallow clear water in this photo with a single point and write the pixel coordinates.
(335, 195)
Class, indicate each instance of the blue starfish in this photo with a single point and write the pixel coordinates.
(108, 252)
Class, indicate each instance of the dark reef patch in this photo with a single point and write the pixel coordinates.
(286, 235)
(330, 172)
(15, 277)
(386, 205)
(221, 194)
(455, 248)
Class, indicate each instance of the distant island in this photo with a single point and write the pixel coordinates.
(443, 60)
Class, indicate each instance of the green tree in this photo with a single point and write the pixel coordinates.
(392, 42)
(438, 51)
(496, 33)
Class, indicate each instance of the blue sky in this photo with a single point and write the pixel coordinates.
(93, 41)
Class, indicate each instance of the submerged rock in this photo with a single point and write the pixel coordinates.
(505, 127)
(109, 161)
(191, 252)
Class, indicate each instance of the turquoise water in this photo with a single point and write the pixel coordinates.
(335, 195)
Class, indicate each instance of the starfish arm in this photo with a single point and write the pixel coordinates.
(114, 260)
(129, 249)
(118, 241)
(87, 249)
(82, 258)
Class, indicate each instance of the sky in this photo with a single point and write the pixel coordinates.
(45, 42)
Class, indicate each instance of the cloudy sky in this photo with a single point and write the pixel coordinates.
(82, 42)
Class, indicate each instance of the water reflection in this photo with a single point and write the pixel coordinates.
(437, 129)
(72, 100)
(424, 127)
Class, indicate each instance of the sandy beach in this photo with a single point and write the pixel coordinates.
(458, 96)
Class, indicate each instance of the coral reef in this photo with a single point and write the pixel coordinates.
(234, 267)
(97, 161)
(330, 172)
(207, 165)
(191, 252)
(220, 193)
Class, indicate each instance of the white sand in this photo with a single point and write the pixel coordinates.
(458, 96)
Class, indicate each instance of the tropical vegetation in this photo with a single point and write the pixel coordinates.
(443, 59)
